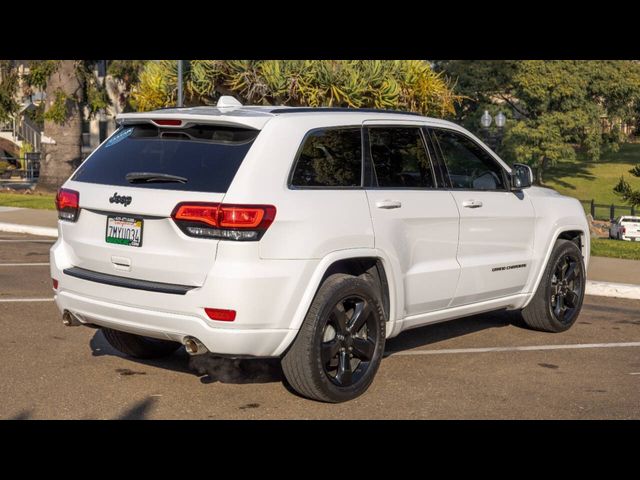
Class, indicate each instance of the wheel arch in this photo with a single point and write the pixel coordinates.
(354, 262)
(575, 233)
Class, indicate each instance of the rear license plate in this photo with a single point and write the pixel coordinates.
(124, 231)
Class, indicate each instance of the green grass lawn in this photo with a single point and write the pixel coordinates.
(603, 247)
(35, 200)
(595, 180)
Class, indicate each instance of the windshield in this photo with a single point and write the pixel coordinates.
(202, 158)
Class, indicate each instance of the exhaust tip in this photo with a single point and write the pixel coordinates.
(69, 319)
(193, 346)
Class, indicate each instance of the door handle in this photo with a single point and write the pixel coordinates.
(387, 204)
(472, 204)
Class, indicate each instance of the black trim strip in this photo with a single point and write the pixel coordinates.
(133, 283)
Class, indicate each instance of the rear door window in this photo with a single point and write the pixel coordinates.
(206, 156)
(400, 158)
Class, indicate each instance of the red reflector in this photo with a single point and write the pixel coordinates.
(55, 283)
(67, 199)
(220, 314)
(172, 123)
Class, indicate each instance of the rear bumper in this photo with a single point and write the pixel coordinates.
(264, 293)
(172, 326)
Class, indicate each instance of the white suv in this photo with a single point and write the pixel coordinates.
(309, 234)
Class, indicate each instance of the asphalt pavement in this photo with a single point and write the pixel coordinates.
(482, 367)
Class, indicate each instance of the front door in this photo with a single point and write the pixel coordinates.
(414, 222)
(496, 225)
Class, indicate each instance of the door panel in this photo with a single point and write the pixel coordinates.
(413, 222)
(421, 237)
(496, 225)
(496, 244)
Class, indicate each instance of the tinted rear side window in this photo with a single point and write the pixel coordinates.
(399, 158)
(208, 156)
(330, 158)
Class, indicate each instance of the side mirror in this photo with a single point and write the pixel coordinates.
(521, 176)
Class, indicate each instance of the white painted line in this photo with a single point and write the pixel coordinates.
(11, 300)
(516, 349)
(42, 264)
(617, 290)
(22, 240)
(9, 209)
(634, 373)
(30, 229)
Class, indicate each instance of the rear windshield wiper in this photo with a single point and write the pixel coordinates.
(152, 177)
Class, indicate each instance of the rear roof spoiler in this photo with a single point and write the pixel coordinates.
(236, 118)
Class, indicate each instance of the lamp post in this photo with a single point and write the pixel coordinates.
(179, 103)
(493, 139)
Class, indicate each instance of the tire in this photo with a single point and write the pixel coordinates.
(138, 346)
(557, 304)
(345, 318)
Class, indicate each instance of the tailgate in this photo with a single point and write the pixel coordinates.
(164, 253)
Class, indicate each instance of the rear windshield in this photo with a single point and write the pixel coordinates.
(205, 157)
(631, 220)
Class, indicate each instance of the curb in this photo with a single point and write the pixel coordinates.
(29, 229)
(616, 290)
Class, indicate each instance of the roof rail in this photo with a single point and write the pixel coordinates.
(339, 109)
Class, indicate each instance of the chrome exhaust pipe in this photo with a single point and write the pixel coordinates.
(193, 346)
(70, 320)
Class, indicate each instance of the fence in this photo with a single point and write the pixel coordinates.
(29, 168)
(606, 212)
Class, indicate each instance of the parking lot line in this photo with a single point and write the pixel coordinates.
(516, 349)
(11, 300)
(34, 264)
(22, 240)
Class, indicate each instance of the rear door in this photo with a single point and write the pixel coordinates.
(496, 225)
(414, 223)
(131, 184)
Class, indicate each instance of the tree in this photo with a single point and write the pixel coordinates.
(403, 84)
(122, 75)
(624, 190)
(555, 107)
(8, 87)
(72, 91)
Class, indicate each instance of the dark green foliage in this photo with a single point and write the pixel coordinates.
(8, 85)
(553, 107)
(624, 190)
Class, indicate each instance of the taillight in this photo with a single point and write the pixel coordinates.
(624, 230)
(220, 314)
(68, 204)
(224, 221)
(55, 283)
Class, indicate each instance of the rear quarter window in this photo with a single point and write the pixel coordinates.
(329, 158)
(208, 156)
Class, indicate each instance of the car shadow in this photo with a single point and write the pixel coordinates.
(209, 367)
(429, 334)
